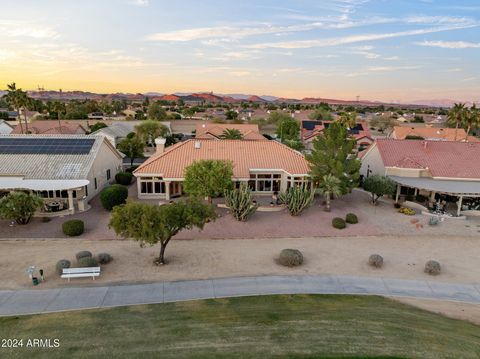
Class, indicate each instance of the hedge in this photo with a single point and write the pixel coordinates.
(114, 195)
(124, 178)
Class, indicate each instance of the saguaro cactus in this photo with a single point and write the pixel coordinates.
(240, 202)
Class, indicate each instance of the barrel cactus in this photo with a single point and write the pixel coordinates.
(240, 202)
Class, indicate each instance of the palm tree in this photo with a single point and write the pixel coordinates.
(329, 186)
(25, 102)
(472, 120)
(58, 107)
(231, 134)
(456, 116)
(14, 99)
(348, 119)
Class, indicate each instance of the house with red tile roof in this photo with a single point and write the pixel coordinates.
(432, 133)
(52, 127)
(214, 131)
(430, 167)
(311, 129)
(267, 166)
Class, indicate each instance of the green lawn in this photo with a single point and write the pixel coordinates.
(300, 326)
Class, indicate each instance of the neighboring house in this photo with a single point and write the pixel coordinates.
(31, 115)
(66, 171)
(431, 133)
(430, 167)
(119, 130)
(129, 113)
(267, 166)
(5, 128)
(12, 115)
(96, 116)
(311, 129)
(51, 127)
(214, 131)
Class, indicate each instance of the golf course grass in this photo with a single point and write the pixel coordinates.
(285, 326)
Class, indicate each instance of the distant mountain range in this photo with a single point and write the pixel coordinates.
(192, 97)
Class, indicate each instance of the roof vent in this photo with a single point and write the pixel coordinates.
(198, 144)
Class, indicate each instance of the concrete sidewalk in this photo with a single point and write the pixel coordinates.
(36, 301)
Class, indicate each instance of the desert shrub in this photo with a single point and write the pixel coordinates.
(74, 227)
(351, 218)
(83, 254)
(291, 257)
(61, 265)
(407, 211)
(296, 198)
(240, 202)
(104, 258)
(87, 262)
(375, 260)
(432, 267)
(124, 178)
(114, 195)
(338, 223)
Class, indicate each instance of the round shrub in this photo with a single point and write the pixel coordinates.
(375, 260)
(61, 265)
(351, 218)
(73, 227)
(104, 258)
(83, 254)
(432, 267)
(124, 178)
(338, 223)
(114, 195)
(87, 262)
(291, 257)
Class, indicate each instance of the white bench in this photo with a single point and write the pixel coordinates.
(81, 272)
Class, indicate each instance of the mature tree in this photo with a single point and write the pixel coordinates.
(188, 112)
(379, 186)
(472, 120)
(329, 187)
(97, 126)
(19, 206)
(208, 178)
(333, 153)
(321, 114)
(277, 117)
(59, 109)
(383, 123)
(132, 147)
(151, 224)
(348, 119)
(231, 115)
(295, 144)
(149, 130)
(231, 134)
(456, 117)
(156, 112)
(288, 129)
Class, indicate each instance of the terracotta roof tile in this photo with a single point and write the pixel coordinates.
(451, 159)
(447, 134)
(215, 130)
(245, 155)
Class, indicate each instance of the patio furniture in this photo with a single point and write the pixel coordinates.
(81, 272)
(54, 206)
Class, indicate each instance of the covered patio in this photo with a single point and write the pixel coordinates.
(60, 197)
(462, 189)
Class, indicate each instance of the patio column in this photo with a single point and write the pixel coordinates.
(459, 204)
(70, 201)
(167, 190)
(399, 188)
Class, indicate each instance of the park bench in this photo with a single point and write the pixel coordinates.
(81, 272)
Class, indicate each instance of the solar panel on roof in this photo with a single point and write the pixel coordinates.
(11, 145)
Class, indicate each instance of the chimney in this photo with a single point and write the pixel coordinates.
(425, 143)
(160, 145)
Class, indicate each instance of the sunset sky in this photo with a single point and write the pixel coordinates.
(381, 50)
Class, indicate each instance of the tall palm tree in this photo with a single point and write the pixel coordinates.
(456, 116)
(329, 186)
(14, 100)
(58, 107)
(26, 103)
(472, 120)
(231, 134)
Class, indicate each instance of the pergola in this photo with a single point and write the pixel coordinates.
(19, 183)
(459, 188)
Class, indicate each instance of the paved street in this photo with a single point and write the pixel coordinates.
(74, 298)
